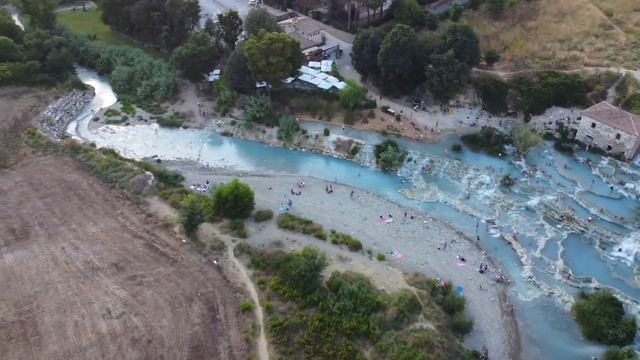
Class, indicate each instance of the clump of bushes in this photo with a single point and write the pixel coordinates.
(298, 224)
(338, 238)
(263, 215)
(601, 317)
(381, 257)
(194, 210)
(389, 155)
(174, 120)
(111, 112)
(237, 229)
(488, 139)
(234, 200)
(456, 147)
(245, 307)
(326, 132)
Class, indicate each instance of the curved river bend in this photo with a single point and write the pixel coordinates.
(553, 259)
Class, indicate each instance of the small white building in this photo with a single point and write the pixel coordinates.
(610, 128)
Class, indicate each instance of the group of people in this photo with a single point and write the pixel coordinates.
(299, 185)
(199, 187)
(328, 188)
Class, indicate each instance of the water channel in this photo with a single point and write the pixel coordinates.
(554, 258)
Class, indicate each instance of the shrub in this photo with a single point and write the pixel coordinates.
(625, 353)
(245, 307)
(491, 57)
(287, 128)
(549, 89)
(299, 224)
(173, 196)
(381, 257)
(389, 155)
(128, 109)
(263, 215)
(320, 235)
(406, 305)
(460, 324)
(488, 139)
(226, 97)
(111, 112)
(172, 121)
(601, 317)
(524, 139)
(456, 147)
(338, 238)
(326, 132)
(234, 200)
(191, 213)
(493, 92)
(237, 228)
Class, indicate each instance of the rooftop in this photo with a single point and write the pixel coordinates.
(615, 117)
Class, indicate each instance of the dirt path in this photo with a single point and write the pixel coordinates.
(263, 349)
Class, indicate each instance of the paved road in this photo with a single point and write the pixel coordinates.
(211, 8)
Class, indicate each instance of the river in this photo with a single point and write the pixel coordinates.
(554, 258)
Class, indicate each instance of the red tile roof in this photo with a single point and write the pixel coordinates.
(614, 117)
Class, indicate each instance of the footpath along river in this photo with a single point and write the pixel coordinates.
(557, 252)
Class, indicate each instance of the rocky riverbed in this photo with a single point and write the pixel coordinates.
(54, 120)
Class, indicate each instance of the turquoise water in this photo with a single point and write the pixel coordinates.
(458, 188)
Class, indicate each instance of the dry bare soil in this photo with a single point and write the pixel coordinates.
(563, 34)
(84, 275)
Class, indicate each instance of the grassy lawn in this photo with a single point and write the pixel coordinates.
(89, 23)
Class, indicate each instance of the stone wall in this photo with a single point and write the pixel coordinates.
(54, 120)
(604, 135)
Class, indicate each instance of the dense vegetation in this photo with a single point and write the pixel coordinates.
(44, 54)
(163, 24)
(533, 94)
(400, 60)
(389, 155)
(602, 318)
(342, 316)
(488, 139)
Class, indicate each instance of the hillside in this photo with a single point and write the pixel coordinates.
(562, 34)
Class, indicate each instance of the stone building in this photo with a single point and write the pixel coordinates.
(610, 128)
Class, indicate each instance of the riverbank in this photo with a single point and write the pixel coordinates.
(55, 119)
(414, 244)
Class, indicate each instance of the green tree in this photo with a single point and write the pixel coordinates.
(524, 139)
(41, 12)
(234, 200)
(408, 12)
(446, 76)
(259, 19)
(9, 28)
(364, 53)
(9, 51)
(191, 213)
(258, 110)
(229, 27)
(496, 7)
(475, 4)
(601, 317)
(302, 273)
(400, 61)
(195, 58)
(236, 72)
(287, 128)
(352, 95)
(272, 56)
(389, 155)
(491, 57)
(464, 43)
